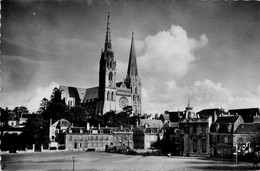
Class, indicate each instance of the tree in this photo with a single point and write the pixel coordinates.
(36, 131)
(43, 105)
(20, 111)
(78, 115)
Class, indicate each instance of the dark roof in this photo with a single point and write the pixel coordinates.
(248, 128)
(226, 119)
(205, 113)
(174, 116)
(164, 117)
(247, 113)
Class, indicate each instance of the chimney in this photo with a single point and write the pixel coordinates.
(50, 122)
(99, 127)
(121, 127)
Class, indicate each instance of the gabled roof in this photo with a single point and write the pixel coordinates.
(164, 117)
(246, 128)
(61, 123)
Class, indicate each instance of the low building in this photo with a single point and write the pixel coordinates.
(56, 133)
(247, 138)
(172, 138)
(195, 133)
(97, 138)
(145, 138)
(222, 135)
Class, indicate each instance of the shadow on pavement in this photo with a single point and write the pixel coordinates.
(214, 167)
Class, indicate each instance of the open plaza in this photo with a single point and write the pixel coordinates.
(102, 161)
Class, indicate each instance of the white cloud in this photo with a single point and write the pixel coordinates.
(170, 53)
(38, 95)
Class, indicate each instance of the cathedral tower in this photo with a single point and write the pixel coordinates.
(107, 75)
(133, 81)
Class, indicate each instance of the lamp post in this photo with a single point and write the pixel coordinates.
(73, 161)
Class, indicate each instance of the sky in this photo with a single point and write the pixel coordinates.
(205, 52)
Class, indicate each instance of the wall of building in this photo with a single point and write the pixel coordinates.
(85, 141)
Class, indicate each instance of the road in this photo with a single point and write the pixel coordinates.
(101, 161)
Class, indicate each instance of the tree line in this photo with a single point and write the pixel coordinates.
(36, 128)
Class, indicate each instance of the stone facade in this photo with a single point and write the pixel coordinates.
(83, 139)
(222, 135)
(194, 133)
(145, 138)
(109, 95)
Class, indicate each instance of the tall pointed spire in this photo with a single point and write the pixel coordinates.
(132, 65)
(108, 45)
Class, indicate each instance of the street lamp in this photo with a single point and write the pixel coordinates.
(73, 161)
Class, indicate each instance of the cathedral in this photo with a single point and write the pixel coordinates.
(109, 95)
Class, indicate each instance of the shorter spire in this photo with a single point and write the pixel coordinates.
(132, 64)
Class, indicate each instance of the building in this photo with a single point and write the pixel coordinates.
(172, 138)
(80, 138)
(195, 133)
(214, 113)
(247, 138)
(222, 135)
(146, 138)
(57, 132)
(109, 95)
(247, 114)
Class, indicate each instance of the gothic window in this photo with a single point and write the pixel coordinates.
(134, 98)
(110, 64)
(107, 64)
(136, 90)
(110, 77)
(108, 95)
(112, 96)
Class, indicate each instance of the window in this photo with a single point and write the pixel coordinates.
(204, 130)
(204, 146)
(194, 145)
(110, 77)
(194, 130)
(108, 95)
(112, 96)
(136, 90)
(214, 139)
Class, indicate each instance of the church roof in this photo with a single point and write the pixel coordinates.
(80, 94)
(132, 64)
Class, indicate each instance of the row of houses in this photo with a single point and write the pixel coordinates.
(210, 132)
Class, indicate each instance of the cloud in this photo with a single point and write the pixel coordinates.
(170, 53)
(203, 94)
(33, 103)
